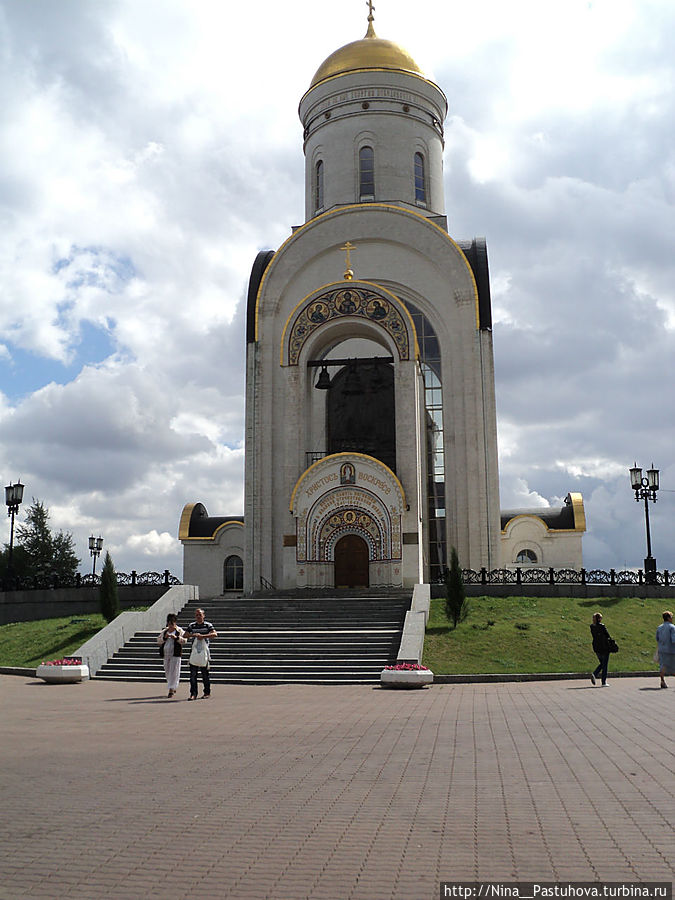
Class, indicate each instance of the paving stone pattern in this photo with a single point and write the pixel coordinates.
(331, 792)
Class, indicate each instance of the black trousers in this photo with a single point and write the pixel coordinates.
(601, 669)
(206, 680)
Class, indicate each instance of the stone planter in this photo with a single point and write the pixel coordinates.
(62, 674)
(406, 678)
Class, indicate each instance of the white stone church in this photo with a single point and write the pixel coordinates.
(371, 436)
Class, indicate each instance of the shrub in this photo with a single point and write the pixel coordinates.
(110, 606)
(456, 604)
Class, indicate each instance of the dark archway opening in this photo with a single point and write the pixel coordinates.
(364, 421)
(351, 562)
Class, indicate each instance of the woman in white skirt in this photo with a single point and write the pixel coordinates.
(665, 636)
(171, 641)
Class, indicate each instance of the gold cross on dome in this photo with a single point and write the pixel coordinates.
(371, 10)
(349, 273)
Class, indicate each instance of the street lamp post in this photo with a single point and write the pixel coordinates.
(13, 498)
(95, 547)
(645, 489)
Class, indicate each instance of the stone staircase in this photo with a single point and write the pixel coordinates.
(323, 639)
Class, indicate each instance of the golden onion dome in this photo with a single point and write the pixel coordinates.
(371, 52)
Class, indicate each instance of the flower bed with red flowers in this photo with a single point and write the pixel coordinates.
(66, 661)
(408, 667)
(68, 670)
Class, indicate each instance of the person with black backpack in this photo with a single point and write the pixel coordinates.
(603, 645)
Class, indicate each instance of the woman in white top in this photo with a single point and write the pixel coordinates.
(665, 636)
(171, 641)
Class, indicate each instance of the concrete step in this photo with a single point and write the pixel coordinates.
(276, 640)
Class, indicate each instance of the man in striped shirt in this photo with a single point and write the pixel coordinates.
(202, 631)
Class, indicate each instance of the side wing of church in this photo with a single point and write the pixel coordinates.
(371, 438)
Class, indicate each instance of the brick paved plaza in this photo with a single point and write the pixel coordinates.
(299, 791)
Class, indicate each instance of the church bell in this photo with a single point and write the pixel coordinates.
(323, 382)
(353, 385)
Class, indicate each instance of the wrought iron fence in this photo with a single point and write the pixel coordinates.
(564, 576)
(51, 581)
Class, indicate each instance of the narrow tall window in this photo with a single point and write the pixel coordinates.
(420, 180)
(366, 174)
(433, 400)
(233, 572)
(318, 186)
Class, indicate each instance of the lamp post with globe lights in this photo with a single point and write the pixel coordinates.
(13, 499)
(95, 547)
(645, 489)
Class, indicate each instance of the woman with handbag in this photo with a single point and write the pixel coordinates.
(602, 647)
(171, 641)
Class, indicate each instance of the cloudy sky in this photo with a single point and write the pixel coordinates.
(150, 148)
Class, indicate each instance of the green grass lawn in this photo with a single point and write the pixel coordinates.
(30, 643)
(540, 634)
(527, 634)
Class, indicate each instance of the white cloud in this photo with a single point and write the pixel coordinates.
(149, 150)
(153, 544)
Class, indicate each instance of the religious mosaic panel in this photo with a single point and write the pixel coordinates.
(374, 526)
(354, 302)
(347, 494)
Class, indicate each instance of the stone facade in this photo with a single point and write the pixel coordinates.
(546, 536)
(369, 346)
(213, 551)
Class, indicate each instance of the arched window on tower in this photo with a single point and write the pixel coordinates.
(318, 186)
(420, 180)
(366, 173)
(233, 574)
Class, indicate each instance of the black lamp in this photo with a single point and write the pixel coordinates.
(645, 489)
(13, 499)
(95, 547)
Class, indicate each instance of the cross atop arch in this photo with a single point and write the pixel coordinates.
(349, 273)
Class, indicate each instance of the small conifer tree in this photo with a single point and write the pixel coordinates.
(110, 606)
(456, 604)
(39, 552)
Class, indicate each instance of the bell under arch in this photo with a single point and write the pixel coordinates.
(351, 399)
(352, 341)
(361, 410)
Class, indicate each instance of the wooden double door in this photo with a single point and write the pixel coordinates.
(351, 562)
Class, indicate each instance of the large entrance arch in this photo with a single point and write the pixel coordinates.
(354, 496)
(351, 562)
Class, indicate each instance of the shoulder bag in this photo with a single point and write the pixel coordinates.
(199, 655)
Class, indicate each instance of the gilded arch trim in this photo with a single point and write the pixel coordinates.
(342, 301)
(361, 207)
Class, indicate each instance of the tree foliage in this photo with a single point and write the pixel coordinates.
(109, 601)
(40, 553)
(456, 604)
